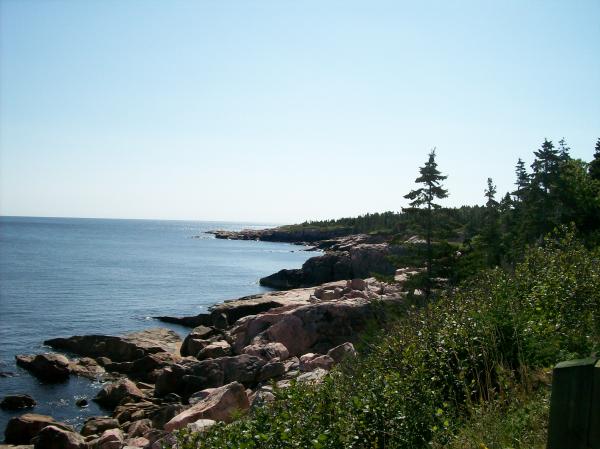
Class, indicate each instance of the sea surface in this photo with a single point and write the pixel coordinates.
(70, 276)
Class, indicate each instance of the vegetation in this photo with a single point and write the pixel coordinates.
(469, 368)
(441, 367)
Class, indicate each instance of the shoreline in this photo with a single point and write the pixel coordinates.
(226, 340)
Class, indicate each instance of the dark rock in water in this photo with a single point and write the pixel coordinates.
(53, 437)
(17, 401)
(284, 279)
(203, 319)
(98, 424)
(112, 394)
(120, 349)
(81, 402)
(49, 367)
(21, 429)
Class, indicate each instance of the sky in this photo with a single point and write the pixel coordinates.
(282, 111)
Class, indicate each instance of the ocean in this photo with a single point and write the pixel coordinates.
(73, 276)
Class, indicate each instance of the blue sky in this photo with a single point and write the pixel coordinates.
(282, 111)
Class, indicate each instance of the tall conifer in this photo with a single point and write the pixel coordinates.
(424, 198)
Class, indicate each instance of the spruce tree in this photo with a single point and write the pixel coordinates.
(423, 199)
(545, 166)
(522, 181)
(543, 211)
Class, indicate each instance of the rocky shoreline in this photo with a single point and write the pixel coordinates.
(345, 255)
(155, 383)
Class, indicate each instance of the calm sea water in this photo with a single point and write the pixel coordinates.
(62, 277)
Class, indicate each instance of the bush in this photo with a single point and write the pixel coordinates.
(435, 367)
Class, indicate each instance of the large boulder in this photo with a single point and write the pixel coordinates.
(197, 340)
(86, 367)
(186, 379)
(214, 350)
(315, 327)
(110, 439)
(267, 351)
(21, 429)
(98, 424)
(17, 401)
(202, 425)
(315, 361)
(146, 368)
(164, 414)
(112, 394)
(271, 370)
(52, 437)
(49, 367)
(126, 348)
(137, 442)
(219, 405)
(133, 411)
(139, 428)
(248, 305)
(342, 352)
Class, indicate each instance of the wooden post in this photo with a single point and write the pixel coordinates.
(574, 415)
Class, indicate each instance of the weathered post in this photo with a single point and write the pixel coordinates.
(574, 405)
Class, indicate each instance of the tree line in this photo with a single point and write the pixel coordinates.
(557, 190)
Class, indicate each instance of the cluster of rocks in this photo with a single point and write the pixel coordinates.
(157, 384)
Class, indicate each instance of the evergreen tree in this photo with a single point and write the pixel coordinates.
(543, 209)
(423, 199)
(594, 169)
(563, 150)
(522, 182)
(491, 232)
(545, 166)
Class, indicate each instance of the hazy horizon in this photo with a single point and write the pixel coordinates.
(280, 112)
